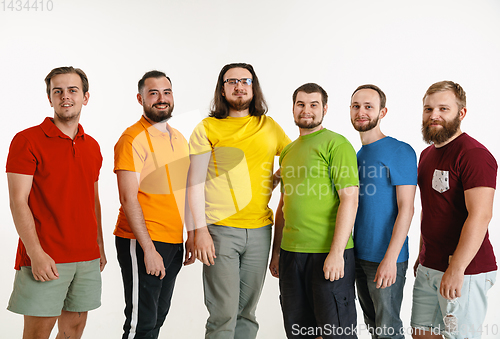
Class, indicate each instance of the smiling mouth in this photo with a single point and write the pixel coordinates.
(67, 105)
(161, 105)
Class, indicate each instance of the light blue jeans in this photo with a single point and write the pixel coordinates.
(381, 306)
(233, 285)
(458, 318)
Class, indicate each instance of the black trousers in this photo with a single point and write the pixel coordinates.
(147, 298)
(313, 306)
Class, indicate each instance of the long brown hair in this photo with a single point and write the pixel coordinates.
(220, 107)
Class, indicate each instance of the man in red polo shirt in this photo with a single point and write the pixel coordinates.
(52, 172)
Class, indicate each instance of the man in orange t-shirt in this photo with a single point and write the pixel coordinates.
(151, 164)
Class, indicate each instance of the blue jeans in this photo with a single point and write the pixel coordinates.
(381, 307)
(459, 318)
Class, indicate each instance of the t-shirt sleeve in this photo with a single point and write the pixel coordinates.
(344, 166)
(403, 167)
(21, 158)
(283, 140)
(478, 169)
(199, 142)
(127, 156)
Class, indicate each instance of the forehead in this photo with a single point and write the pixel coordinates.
(238, 73)
(308, 97)
(366, 95)
(441, 98)
(66, 80)
(157, 83)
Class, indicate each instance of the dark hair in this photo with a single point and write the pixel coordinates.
(449, 86)
(68, 70)
(151, 74)
(381, 94)
(220, 107)
(311, 88)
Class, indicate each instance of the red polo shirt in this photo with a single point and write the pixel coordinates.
(62, 194)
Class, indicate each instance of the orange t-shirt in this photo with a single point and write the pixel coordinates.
(162, 159)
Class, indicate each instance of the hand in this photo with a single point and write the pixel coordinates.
(189, 248)
(274, 265)
(387, 272)
(204, 246)
(154, 263)
(102, 261)
(451, 284)
(334, 267)
(415, 267)
(43, 267)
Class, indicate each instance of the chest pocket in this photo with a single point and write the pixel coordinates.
(441, 181)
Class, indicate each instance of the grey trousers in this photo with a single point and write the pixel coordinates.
(233, 285)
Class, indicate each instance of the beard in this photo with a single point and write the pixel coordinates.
(440, 135)
(371, 124)
(239, 104)
(153, 114)
(309, 125)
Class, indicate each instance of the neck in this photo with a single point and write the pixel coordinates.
(371, 136)
(162, 126)
(456, 135)
(69, 128)
(306, 131)
(238, 114)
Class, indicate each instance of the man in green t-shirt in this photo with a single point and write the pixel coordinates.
(313, 249)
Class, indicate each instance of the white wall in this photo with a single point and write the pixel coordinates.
(401, 46)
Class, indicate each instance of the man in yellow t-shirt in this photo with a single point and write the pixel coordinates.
(151, 164)
(230, 184)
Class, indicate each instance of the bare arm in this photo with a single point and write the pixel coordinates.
(279, 223)
(42, 265)
(346, 215)
(128, 187)
(417, 261)
(203, 243)
(189, 245)
(387, 269)
(479, 203)
(100, 239)
(276, 178)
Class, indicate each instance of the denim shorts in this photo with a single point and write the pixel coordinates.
(78, 289)
(458, 318)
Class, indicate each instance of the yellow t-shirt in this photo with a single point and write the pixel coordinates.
(238, 185)
(162, 159)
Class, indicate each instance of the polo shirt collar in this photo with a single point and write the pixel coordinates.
(51, 130)
(155, 132)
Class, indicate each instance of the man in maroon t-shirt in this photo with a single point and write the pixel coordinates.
(457, 181)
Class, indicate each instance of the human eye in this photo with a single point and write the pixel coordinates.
(368, 107)
(355, 106)
(444, 108)
(232, 81)
(314, 105)
(246, 81)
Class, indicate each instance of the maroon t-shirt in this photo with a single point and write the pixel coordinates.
(443, 175)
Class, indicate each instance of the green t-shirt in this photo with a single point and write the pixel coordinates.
(313, 168)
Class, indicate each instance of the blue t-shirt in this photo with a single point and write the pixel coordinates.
(383, 165)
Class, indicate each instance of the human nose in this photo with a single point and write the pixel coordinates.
(434, 114)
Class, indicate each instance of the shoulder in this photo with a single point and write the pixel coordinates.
(133, 130)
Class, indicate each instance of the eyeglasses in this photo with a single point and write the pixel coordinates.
(234, 82)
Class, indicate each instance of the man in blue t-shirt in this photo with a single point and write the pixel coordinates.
(387, 182)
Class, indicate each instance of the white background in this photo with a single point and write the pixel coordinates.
(401, 46)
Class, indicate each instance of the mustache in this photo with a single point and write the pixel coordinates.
(161, 104)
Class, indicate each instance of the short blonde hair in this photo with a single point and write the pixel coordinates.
(448, 86)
